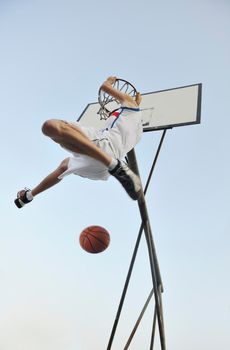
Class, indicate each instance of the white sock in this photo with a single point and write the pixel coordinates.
(29, 195)
(113, 164)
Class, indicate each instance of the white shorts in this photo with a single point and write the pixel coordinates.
(118, 137)
(85, 166)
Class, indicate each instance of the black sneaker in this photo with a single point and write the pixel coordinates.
(23, 197)
(129, 180)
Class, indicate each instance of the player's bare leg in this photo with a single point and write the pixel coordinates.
(75, 140)
(25, 196)
(52, 179)
(72, 138)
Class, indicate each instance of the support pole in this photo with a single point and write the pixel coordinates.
(133, 261)
(156, 278)
(139, 320)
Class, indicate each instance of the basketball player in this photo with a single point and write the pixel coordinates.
(95, 154)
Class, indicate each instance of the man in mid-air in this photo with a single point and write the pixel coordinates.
(95, 154)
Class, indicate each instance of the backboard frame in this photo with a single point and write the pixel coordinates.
(196, 89)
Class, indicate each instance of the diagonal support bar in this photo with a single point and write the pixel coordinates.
(138, 320)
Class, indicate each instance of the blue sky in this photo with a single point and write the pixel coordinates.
(54, 56)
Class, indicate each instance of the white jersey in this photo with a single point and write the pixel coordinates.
(124, 130)
(121, 133)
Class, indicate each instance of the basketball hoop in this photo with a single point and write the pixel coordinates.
(108, 104)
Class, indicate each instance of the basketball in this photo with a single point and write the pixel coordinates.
(94, 239)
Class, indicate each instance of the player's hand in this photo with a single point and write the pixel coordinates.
(138, 98)
(111, 80)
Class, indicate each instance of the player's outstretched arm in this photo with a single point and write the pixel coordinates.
(107, 86)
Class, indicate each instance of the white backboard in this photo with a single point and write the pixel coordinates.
(161, 109)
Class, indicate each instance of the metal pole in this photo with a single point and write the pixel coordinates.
(138, 320)
(135, 252)
(151, 250)
(155, 160)
(125, 289)
(153, 329)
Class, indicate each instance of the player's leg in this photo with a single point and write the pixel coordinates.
(72, 138)
(52, 179)
(25, 196)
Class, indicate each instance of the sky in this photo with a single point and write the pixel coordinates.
(54, 295)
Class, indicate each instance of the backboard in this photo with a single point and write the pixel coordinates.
(161, 109)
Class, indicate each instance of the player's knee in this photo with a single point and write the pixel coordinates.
(64, 165)
(51, 128)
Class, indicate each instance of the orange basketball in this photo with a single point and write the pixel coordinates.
(94, 239)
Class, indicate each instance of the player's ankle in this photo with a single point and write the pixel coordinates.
(29, 195)
(23, 197)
